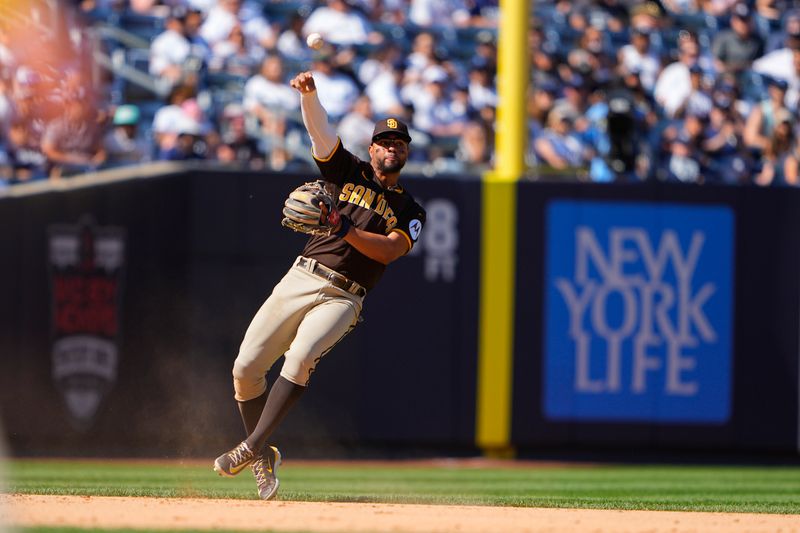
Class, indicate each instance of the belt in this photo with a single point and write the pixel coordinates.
(333, 277)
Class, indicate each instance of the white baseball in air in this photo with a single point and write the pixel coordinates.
(314, 41)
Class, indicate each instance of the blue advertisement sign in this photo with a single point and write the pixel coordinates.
(638, 312)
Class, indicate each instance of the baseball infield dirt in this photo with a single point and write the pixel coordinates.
(184, 513)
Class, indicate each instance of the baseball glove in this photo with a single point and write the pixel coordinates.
(311, 209)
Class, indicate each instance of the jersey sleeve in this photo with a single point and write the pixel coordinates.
(337, 166)
(410, 223)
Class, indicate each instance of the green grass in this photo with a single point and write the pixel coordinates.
(680, 488)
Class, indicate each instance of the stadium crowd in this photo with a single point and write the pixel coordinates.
(696, 91)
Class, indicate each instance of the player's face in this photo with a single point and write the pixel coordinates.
(389, 154)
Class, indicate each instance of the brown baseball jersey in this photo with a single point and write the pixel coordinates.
(370, 207)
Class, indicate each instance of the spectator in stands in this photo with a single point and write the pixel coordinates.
(204, 6)
(683, 165)
(593, 60)
(423, 53)
(356, 127)
(123, 144)
(735, 49)
(718, 8)
(729, 161)
(741, 107)
(168, 117)
(762, 118)
(600, 124)
(487, 117)
(778, 148)
(651, 17)
(791, 165)
(188, 145)
(484, 13)
(379, 60)
(341, 25)
(725, 85)
(681, 6)
(485, 55)
(237, 146)
(674, 83)
(693, 133)
(267, 93)
(767, 19)
(570, 44)
(459, 94)
(699, 100)
(579, 63)
(269, 99)
(384, 91)
(791, 26)
(448, 13)
(481, 88)
(625, 125)
(145, 7)
(226, 14)
(171, 51)
(640, 57)
(394, 12)
(337, 91)
(695, 124)
(190, 134)
(783, 64)
(291, 42)
(436, 111)
(643, 103)
(576, 25)
(474, 149)
(200, 49)
(234, 56)
(73, 143)
(558, 146)
(540, 101)
(575, 95)
(194, 111)
(421, 66)
(543, 62)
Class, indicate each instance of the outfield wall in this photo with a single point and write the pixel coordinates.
(658, 316)
(650, 316)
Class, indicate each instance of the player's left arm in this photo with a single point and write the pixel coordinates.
(381, 248)
(388, 248)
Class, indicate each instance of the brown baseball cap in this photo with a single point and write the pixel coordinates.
(391, 125)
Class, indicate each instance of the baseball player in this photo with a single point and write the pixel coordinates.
(319, 300)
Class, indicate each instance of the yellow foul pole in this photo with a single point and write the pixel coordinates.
(498, 235)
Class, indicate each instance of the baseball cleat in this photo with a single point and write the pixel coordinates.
(231, 463)
(265, 468)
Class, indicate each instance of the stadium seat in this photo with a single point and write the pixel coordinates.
(282, 10)
(144, 26)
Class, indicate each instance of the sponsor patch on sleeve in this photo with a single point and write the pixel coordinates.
(414, 229)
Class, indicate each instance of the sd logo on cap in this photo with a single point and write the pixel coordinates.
(391, 126)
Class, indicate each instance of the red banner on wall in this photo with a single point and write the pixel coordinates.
(86, 273)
